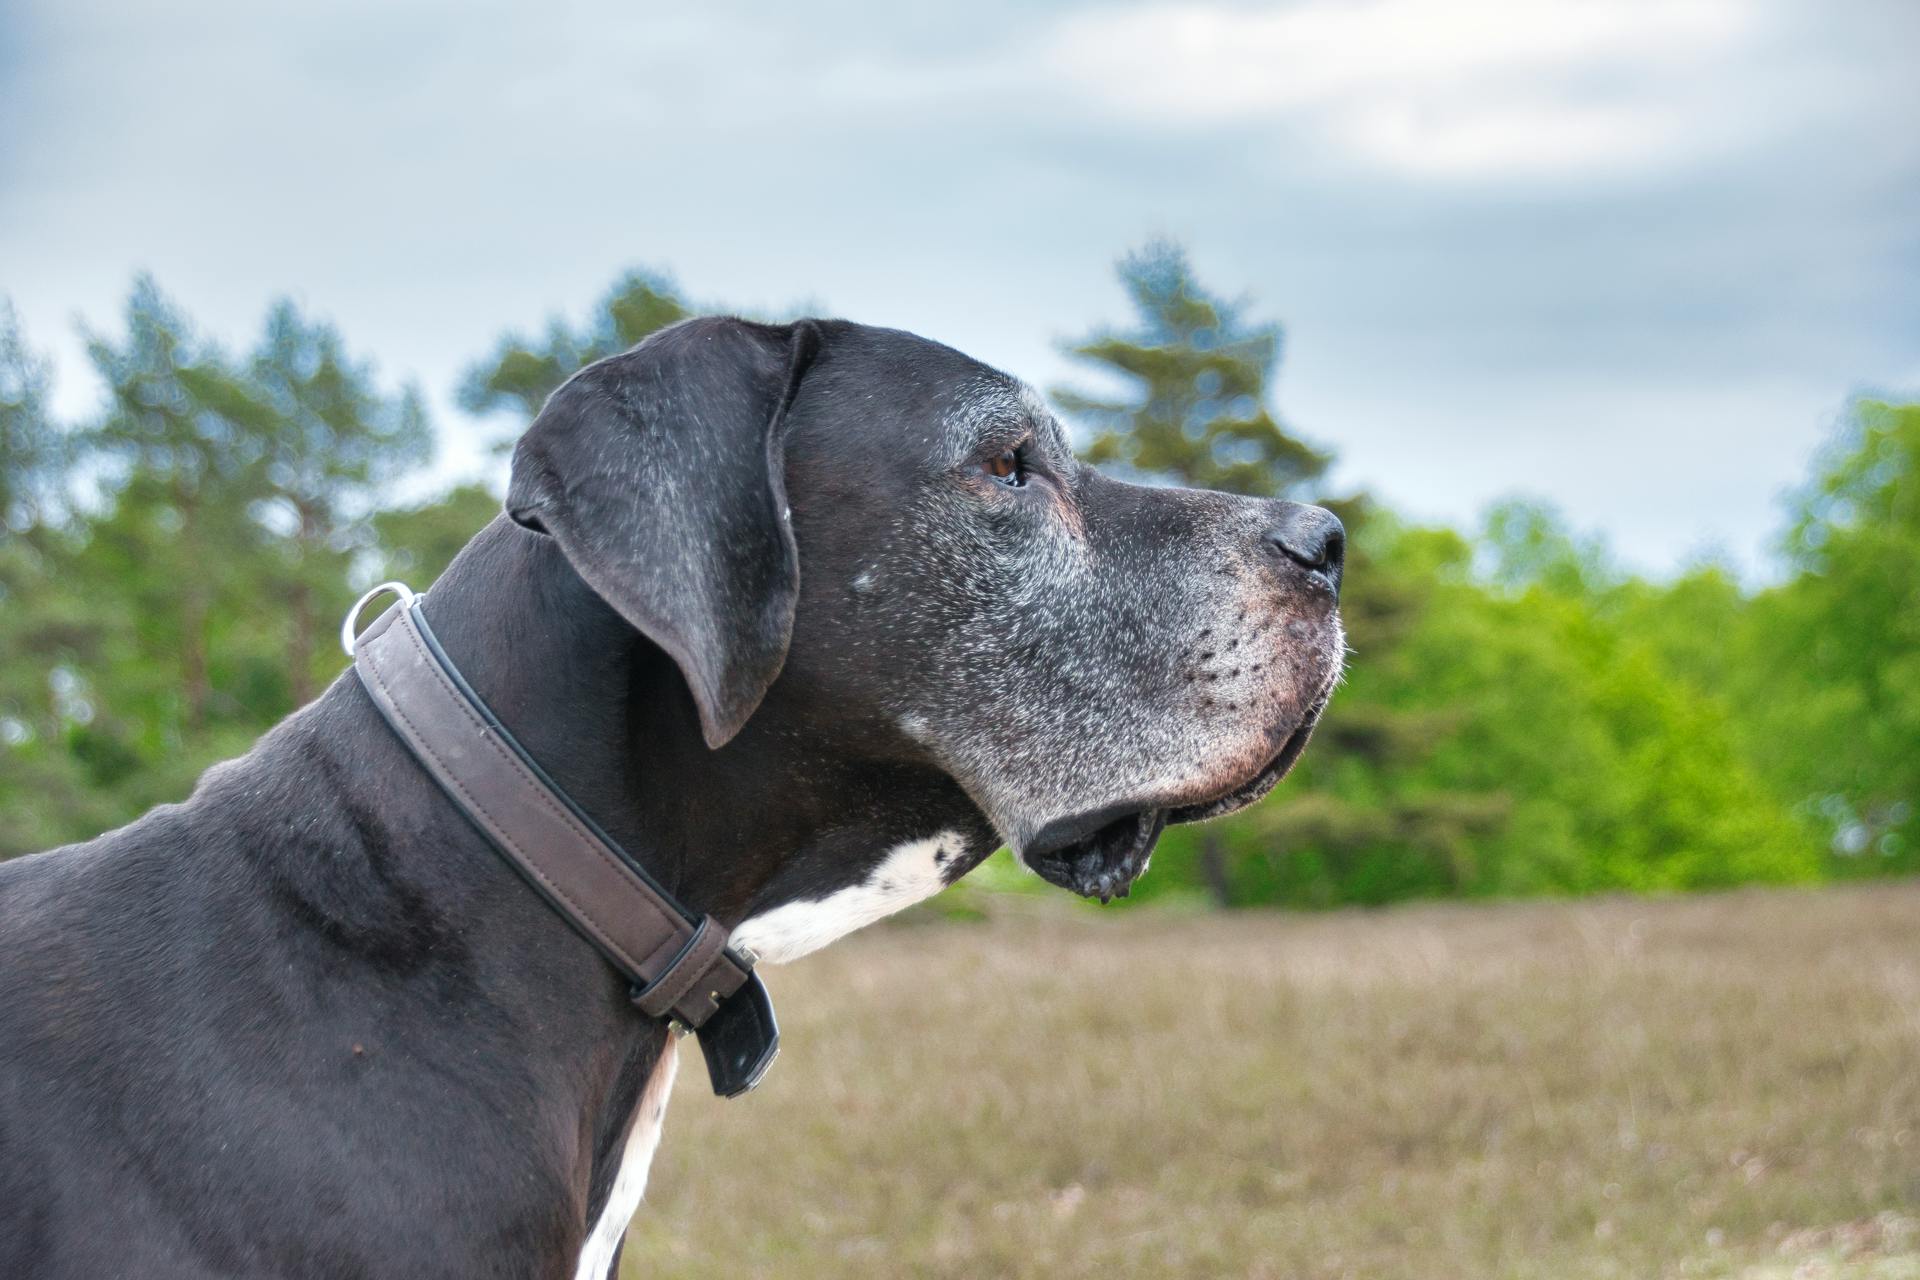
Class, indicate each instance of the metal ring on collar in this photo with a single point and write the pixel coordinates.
(400, 589)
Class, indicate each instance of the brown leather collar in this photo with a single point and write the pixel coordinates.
(679, 963)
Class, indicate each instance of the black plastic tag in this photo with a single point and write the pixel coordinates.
(741, 1039)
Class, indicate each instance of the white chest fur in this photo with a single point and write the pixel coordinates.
(910, 873)
(630, 1183)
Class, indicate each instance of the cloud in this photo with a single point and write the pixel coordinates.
(1473, 88)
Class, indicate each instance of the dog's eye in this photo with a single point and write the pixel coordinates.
(1009, 468)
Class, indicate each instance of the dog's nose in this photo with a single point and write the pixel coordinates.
(1311, 537)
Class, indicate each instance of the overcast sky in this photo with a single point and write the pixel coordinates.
(1629, 255)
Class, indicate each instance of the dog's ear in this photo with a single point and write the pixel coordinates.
(659, 473)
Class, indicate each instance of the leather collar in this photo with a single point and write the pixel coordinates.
(678, 961)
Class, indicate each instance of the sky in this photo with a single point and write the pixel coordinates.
(1629, 256)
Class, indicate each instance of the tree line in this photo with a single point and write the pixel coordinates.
(1521, 715)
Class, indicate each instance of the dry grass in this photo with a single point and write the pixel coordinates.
(1713, 1086)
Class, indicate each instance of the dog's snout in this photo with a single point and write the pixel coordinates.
(1311, 537)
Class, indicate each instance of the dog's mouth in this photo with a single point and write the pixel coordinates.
(1100, 854)
(1105, 861)
(1259, 784)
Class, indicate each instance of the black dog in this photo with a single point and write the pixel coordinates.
(810, 618)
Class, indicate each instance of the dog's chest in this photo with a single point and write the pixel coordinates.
(636, 1158)
(910, 873)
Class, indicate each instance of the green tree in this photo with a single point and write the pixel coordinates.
(184, 444)
(33, 451)
(334, 444)
(416, 544)
(42, 787)
(177, 564)
(1828, 672)
(1623, 773)
(1199, 370)
(522, 372)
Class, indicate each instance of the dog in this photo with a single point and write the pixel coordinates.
(810, 618)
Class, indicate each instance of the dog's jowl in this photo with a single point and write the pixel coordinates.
(808, 619)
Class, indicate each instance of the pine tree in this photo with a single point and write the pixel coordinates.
(521, 373)
(32, 450)
(1201, 374)
(40, 784)
(416, 544)
(185, 445)
(334, 444)
(1201, 416)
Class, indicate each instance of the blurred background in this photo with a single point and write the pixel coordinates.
(1598, 323)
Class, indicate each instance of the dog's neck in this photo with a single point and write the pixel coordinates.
(774, 815)
(590, 700)
(785, 814)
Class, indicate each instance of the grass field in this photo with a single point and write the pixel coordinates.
(1700, 1087)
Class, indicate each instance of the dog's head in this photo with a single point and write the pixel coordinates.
(902, 537)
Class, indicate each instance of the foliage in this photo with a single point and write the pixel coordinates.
(1520, 714)
(1201, 369)
(174, 568)
(417, 543)
(31, 448)
(1619, 775)
(332, 442)
(1824, 668)
(1846, 638)
(521, 373)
